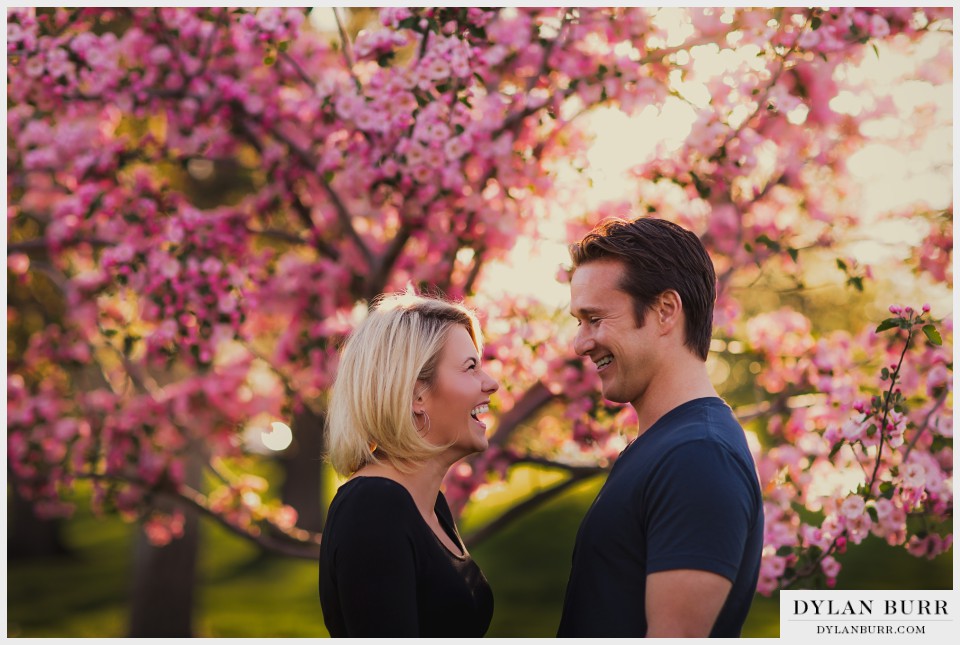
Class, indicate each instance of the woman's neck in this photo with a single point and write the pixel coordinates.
(423, 483)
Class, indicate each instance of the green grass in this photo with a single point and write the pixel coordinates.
(244, 593)
(528, 562)
(81, 594)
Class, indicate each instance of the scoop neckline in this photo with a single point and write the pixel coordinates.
(455, 537)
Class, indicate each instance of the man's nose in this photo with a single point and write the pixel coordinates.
(582, 342)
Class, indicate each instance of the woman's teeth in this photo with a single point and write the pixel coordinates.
(603, 362)
(480, 409)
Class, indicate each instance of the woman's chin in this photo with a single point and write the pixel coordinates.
(477, 444)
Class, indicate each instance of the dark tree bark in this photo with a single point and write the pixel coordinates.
(302, 486)
(28, 536)
(164, 578)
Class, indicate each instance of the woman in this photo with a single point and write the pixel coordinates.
(405, 406)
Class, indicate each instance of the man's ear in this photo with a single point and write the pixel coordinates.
(668, 310)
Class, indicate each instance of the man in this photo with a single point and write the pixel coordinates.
(671, 545)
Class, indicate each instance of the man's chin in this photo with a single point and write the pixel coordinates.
(613, 396)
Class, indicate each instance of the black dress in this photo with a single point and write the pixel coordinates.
(383, 571)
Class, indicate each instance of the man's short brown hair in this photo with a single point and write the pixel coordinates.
(657, 256)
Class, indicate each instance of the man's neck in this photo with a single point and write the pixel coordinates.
(684, 380)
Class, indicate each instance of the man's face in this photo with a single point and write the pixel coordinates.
(626, 356)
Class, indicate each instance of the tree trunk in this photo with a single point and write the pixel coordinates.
(164, 577)
(28, 536)
(302, 464)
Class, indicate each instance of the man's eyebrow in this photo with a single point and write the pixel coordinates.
(584, 311)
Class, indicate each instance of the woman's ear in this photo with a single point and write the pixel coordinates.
(418, 399)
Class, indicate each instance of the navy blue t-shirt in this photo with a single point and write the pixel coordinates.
(683, 495)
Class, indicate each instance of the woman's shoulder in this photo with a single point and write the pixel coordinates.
(373, 483)
(370, 515)
(373, 498)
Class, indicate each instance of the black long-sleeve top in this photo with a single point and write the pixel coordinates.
(383, 571)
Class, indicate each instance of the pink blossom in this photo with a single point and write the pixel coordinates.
(456, 147)
(852, 507)
(724, 226)
(269, 19)
(368, 119)
(494, 55)
(512, 32)
(830, 566)
(15, 33)
(437, 69)
(853, 430)
(375, 43)
(18, 263)
(914, 475)
(160, 55)
(930, 547)
(773, 567)
(393, 16)
(348, 105)
(34, 67)
(58, 63)
(878, 27)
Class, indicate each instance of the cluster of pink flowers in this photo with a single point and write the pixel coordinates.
(827, 31)
(273, 23)
(378, 43)
(310, 327)
(854, 430)
(160, 528)
(240, 502)
(935, 256)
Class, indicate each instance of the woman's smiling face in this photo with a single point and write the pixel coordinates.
(459, 395)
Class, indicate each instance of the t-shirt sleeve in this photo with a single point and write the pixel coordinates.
(698, 511)
(375, 568)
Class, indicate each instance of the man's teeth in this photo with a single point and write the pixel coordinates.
(606, 360)
(480, 409)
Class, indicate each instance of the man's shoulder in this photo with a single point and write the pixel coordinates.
(702, 432)
(705, 423)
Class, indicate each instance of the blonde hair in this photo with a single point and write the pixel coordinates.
(391, 354)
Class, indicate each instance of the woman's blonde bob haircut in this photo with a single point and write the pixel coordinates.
(390, 359)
